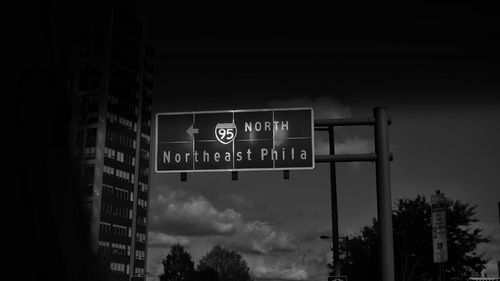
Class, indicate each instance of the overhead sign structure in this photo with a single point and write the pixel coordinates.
(235, 140)
(439, 236)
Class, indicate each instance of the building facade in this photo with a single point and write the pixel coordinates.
(113, 98)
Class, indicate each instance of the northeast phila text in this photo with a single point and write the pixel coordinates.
(262, 154)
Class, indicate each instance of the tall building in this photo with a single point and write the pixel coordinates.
(112, 136)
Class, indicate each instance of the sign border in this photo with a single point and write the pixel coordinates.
(312, 167)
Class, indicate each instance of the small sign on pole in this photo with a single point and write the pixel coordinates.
(439, 236)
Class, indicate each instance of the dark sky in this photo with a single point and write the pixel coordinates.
(436, 69)
(240, 55)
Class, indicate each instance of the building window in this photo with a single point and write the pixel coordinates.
(121, 193)
(119, 156)
(90, 144)
(144, 171)
(87, 206)
(143, 186)
(109, 170)
(141, 220)
(117, 267)
(120, 139)
(138, 272)
(119, 249)
(112, 118)
(89, 153)
(112, 99)
(92, 117)
(107, 190)
(139, 255)
(140, 237)
(116, 210)
(142, 203)
(145, 137)
(144, 154)
(104, 246)
(79, 144)
(87, 189)
(120, 230)
(147, 123)
(105, 227)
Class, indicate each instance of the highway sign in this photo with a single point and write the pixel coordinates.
(235, 140)
(439, 236)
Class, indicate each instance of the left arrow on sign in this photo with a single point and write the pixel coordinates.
(191, 131)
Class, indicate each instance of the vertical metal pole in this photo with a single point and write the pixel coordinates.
(440, 271)
(444, 271)
(335, 223)
(384, 208)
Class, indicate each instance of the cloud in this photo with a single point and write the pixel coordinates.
(273, 272)
(259, 237)
(155, 268)
(348, 145)
(236, 200)
(180, 213)
(270, 253)
(156, 239)
(491, 250)
(265, 269)
(354, 145)
(177, 215)
(324, 107)
(303, 264)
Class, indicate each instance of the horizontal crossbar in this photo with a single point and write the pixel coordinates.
(369, 157)
(318, 123)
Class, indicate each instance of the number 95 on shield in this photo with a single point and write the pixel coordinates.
(225, 132)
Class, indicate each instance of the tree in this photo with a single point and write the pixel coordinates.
(177, 265)
(412, 232)
(206, 274)
(229, 265)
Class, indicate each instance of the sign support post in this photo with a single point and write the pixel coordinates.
(335, 221)
(384, 208)
(382, 158)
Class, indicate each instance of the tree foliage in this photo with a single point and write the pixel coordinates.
(413, 244)
(177, 265)
(229, 265)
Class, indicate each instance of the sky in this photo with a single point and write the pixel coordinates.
(436, 72)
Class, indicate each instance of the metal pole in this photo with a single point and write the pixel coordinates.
(384, 209)
(335, 223)
(440, 271)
